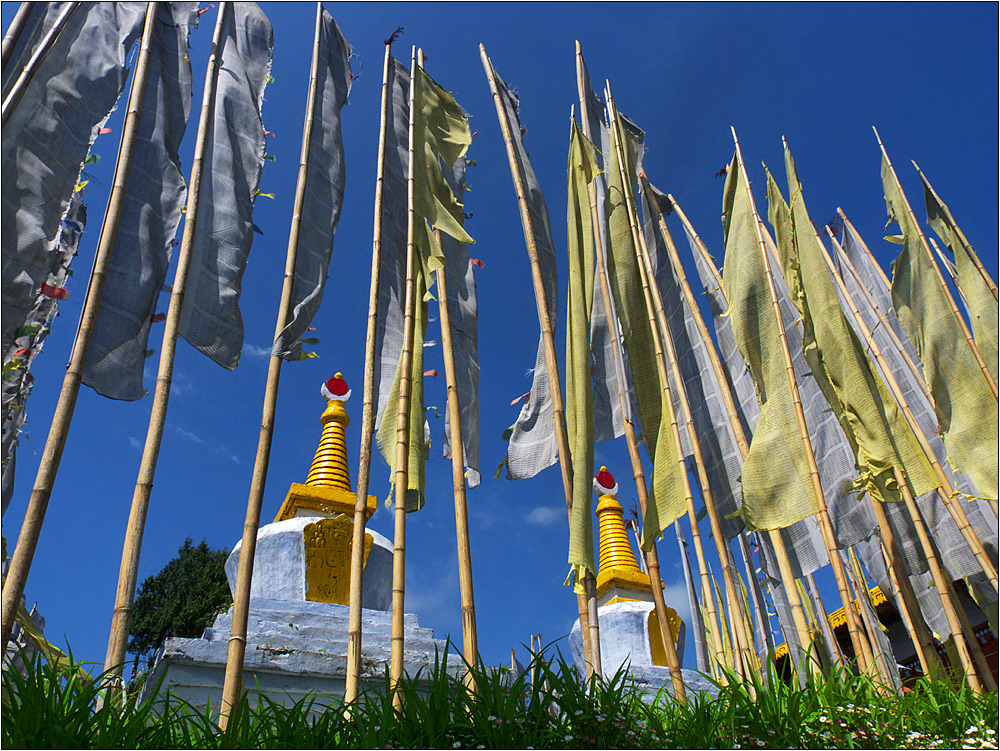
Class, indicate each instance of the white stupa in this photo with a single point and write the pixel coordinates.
(297, 629)
(630, 632)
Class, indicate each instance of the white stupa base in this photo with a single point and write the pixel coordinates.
(625, 644)
(294, 649)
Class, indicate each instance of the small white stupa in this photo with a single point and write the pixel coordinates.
(630, 632)
(297, 629)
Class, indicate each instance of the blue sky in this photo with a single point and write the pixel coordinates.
(821, 75)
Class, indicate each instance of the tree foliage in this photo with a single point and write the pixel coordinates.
(181, 600)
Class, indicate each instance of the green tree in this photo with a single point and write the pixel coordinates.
(181, 600)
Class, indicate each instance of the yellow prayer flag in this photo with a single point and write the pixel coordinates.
(777, 489)
(441, 137)
(980, 298)
(579, 388)
(966, 408)
(878, 433)
(666, 497)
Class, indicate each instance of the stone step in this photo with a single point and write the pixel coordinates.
(284, 626)
(322, 609)
(317, 658)
(339, 645)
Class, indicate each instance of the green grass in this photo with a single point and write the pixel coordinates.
(49, 708)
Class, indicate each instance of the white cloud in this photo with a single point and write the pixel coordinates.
(675, 596)
(181, 383)
(433, 594)
(254, 351)
(187, 435)
(134, 442)
(545, 516)
(217, 448)
(224, 451)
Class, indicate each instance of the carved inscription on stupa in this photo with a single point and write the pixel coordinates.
(328, 559)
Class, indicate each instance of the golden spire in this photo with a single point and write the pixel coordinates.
(329, 466)
(617, 568)
(327, 490)
(616, 551)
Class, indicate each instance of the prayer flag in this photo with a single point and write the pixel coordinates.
(47, 137)
(579, 390)
(441, 138)
(150, 214)
(234, 155)
(966, 408)
(392, 268)
(777, 490)
(979, 299)
(719, 449)
(532, 445)
(29, 339)
(464, 308)
(666, 498)
(880, 436)
(324, 191)
(954, 550)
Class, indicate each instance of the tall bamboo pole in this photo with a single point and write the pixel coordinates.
(823, 618)
(743, 598)
(809, 578)
(368, 412)
(915, 627)
(942, 580)
(591, 648)
(745, 657)
(650, 559)
(233, 686)
(862, 650)
(949, 600)
(401, 479)
(742, 637)
(664, 342)
(14, 32)
(879, 666)
(961, 235)
(121, 620)
(20, 564)
(969, 635)
(799, 619)
(17, 90)
(469, 637)
(920, 635)
(592, 624)
(739, 659)
(946, 491)
(882, 663)
(717, 621)
(944, 286)
(759, 608)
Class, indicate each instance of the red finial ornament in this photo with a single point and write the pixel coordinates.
(604, 483)
(336, 388)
